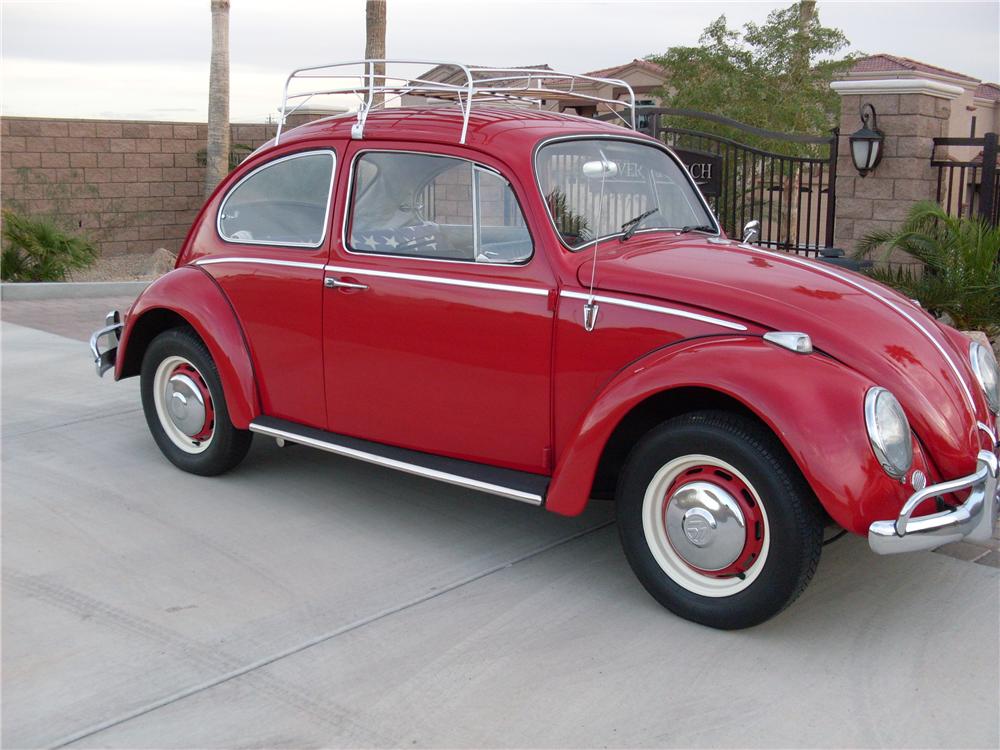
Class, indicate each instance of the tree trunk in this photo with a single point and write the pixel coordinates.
(800, 56)
(375, 42)
(217, 162)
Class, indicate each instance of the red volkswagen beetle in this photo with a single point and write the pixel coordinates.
(543, 307)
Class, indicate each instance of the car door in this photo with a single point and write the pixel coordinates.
(437, 313)
(265, 245)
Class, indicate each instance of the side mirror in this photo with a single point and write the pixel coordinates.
(595, 169)
(751, 231)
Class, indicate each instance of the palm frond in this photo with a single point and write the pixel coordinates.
(959, 264)
(35, 249)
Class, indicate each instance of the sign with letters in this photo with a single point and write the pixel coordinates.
(705, 168)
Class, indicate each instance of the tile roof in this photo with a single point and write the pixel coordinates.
(649, 67)
(988, 91)
(884, 63)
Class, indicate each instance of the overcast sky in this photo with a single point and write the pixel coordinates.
(148, 59)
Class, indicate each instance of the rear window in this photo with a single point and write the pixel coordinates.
(285, 202)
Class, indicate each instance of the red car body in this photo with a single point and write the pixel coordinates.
(493, 364)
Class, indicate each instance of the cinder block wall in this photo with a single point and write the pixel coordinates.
(130, 186)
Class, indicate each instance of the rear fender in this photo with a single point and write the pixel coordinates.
(189, 295)
(812, 403)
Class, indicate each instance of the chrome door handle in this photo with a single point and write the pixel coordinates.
(330, 283)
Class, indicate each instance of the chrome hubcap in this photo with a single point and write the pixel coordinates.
(705, 525)
(186, 406)
(183, 404)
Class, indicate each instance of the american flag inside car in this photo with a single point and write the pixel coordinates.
(404, 240)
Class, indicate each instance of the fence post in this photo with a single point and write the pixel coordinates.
(987, 187)
(831, 189)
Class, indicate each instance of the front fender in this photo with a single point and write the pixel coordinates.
(812, 403)
(192, 295)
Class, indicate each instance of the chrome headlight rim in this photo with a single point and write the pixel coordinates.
(873, 398)
(984, 366)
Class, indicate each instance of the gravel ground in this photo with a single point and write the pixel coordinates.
(144, 267)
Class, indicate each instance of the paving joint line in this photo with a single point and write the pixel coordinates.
(268, 660)
(70, 423)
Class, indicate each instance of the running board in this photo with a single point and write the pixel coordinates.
(514, 485)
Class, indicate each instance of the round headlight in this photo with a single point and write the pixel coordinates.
(984, 364)
(888, 431)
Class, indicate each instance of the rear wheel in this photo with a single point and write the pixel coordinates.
(716, 521)
(185, 407)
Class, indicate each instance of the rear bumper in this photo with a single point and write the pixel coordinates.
(974, 519)
(104, 360)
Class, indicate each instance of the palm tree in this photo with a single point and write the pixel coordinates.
(958, 271)
(375, 41)
(217, 162)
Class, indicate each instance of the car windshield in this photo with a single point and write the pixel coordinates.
(595, 186)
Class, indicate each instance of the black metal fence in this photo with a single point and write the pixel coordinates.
(786, 181)
(968, 184)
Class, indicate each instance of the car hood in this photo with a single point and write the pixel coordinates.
(865, 325)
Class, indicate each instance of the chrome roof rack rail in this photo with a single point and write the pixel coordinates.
(464, 85)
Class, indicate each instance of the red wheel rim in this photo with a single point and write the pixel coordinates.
(736, 489)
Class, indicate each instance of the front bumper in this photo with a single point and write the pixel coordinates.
(974, 519)
(105, 360)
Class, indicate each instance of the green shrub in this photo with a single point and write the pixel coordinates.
(961, 265)
(35, 249)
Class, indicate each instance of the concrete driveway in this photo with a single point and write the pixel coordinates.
(307, 600)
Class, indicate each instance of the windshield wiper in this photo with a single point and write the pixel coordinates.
(700, 228)
(632, 224)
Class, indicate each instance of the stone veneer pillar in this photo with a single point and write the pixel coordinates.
(911, 113)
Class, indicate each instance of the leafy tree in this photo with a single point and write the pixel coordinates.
(775, 76)
(960, 271)
(37, 250)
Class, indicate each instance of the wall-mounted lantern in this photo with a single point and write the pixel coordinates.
(866, 143)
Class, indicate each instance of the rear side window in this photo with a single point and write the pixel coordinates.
(285, 202)
(439, 207)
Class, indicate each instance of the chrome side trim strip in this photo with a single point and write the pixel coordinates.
(889, 303)
(439, 280)
(656, 308)
(260, 261)
(441, 476)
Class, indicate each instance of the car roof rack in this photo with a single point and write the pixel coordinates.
(464, 85)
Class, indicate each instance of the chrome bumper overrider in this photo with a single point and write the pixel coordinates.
(973, 520)
(104, 361)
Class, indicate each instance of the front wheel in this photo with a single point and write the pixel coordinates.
(716, 521)
(185, 408)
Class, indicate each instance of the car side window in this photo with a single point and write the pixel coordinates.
(440, 207)
(284, 202)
